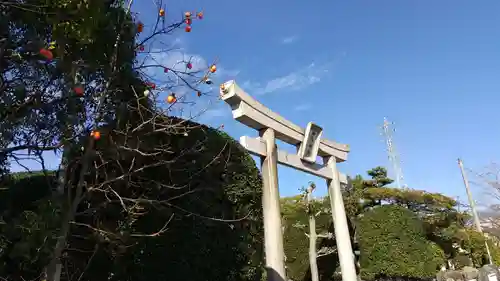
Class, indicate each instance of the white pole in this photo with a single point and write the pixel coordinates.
(273, 235)
(472, 204)
(342, 237)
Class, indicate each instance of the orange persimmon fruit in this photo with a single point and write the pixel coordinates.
(96, 135)
(171, 98)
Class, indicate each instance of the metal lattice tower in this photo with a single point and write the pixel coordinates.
(387, 131)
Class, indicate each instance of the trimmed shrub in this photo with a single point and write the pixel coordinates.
(204, 181)
(29, 224)
(210, 187)
(393, 244)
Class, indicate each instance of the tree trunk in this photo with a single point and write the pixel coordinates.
(63, 167)
(312, 238)
(53, 271)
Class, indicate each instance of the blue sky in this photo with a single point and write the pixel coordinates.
(430, 66)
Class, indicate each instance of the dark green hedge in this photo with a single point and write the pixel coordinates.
(211, 187)
(209, 184)
(392, 243)
(29, 222)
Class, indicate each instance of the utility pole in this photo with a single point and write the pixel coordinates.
(472, 204)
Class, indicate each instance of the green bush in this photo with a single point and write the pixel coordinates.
(494, 250)
(29, 224)
(461, 260)
(393, 244)
(474, 243)
(211, 188)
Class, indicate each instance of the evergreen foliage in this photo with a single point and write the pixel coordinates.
(393, 244)
(215, 218)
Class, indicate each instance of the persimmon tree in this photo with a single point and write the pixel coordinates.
(60, 67)
(77, 78)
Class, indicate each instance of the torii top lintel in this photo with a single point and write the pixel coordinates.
(257, 116)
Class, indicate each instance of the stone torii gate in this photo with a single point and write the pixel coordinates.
(309, 143)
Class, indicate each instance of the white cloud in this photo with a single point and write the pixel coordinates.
(290, 39)
(227, 73)
(303, 107)
(293, 81)
(178, 42)
(216, 112)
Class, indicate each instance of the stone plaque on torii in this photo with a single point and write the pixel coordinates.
(309, 143)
